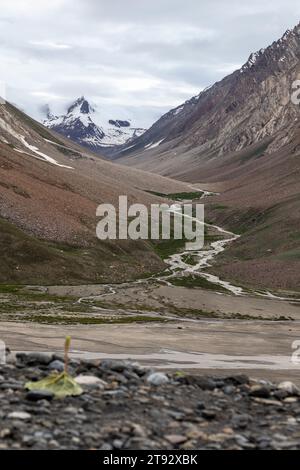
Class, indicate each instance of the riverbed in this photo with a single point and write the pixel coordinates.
(223, 328)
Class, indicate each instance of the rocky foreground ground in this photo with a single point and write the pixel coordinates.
(126, 406)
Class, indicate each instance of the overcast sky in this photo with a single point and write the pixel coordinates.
(141, 55)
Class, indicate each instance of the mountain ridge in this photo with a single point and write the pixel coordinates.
(241, 138)
(221, 118)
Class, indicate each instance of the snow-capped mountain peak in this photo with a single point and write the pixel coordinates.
(81, 106)
(88, 126)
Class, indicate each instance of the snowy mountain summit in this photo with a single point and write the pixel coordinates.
(91, 128)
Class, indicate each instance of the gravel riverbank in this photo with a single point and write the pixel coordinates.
(127, 406)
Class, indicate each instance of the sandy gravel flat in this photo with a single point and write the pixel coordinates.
(158, 297)
(212, 302)
(260, 348)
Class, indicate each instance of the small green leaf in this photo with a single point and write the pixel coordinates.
(61, 385)
(179, 374)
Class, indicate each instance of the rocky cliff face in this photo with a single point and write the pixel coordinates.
(250, 104)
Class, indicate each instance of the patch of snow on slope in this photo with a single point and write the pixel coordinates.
(254, 56)
(127, 148)
(178, 110)
(152, 146)
(119, 137)
(33, 149)
(43, 155)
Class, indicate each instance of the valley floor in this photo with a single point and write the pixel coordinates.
(262, 348)
(183, 318)
(180, 319)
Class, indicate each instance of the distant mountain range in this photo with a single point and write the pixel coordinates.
(86, 126)
(239, 138)
(251, 104)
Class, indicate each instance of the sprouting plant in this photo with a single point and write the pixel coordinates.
(67, 349)
(60, 384)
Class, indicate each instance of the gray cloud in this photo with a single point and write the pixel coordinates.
(142, 56)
